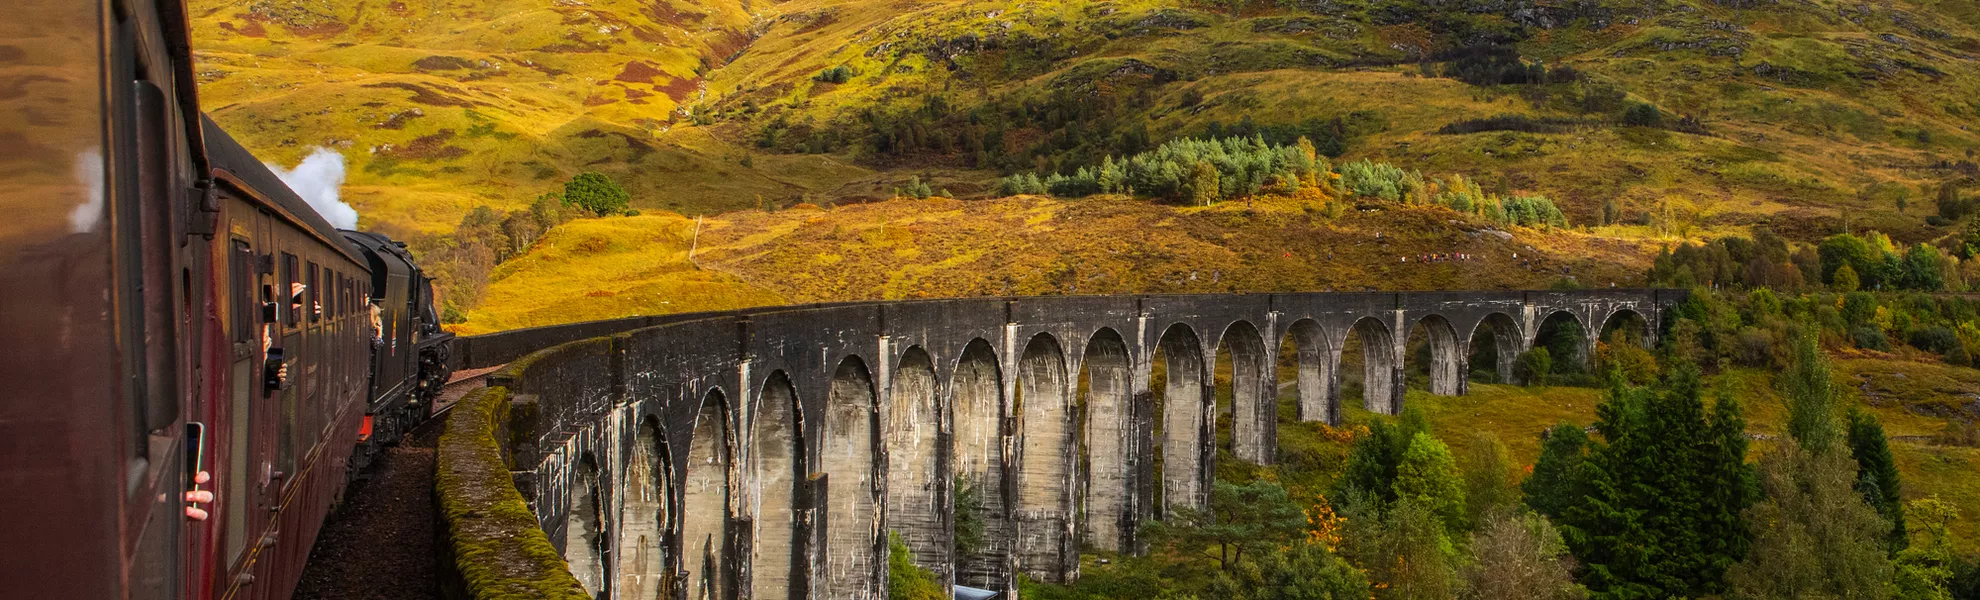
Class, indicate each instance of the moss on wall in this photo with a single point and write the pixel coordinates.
(497, 547)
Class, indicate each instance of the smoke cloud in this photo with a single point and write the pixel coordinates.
(317, 180)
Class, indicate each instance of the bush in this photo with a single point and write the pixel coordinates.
(838, 74)
(1755, 348)
(1635, 364)
(1535, 366)
(905, 580)
(597, 194)
(1643, 115)
(1935, 339)
(1868, 337)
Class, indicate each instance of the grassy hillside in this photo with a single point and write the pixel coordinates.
(594, 269)
(1800, 111)
(443, 105)
(1805, 115)
(1025, 245)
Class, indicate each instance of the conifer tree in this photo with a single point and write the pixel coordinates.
(1876, 474)
(1552, 486)
(1663, 493)
(1374, 460)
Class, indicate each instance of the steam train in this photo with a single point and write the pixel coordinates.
(169, 309)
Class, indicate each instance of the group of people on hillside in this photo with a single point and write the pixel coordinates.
(1437, 257)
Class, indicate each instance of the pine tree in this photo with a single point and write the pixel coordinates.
(1552, 487)
(1374, 460)
(1877, 475)
(1663, 491)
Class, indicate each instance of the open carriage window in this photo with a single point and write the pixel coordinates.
(315, 295)
(292, 291)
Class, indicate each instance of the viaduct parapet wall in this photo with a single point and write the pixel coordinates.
(768, 453)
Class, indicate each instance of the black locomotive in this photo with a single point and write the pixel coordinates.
(170, 308)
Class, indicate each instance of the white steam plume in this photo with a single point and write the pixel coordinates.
(317, 179)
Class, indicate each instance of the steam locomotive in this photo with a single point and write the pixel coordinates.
(169, 308)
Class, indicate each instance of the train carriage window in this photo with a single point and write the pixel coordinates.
(330, 294)
(240, 274)
(142, 222)
(315, 292)
(293, 315)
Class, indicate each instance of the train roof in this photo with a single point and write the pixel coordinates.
(225, 154)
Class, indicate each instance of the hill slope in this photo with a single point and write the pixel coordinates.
(1802, 114)
(1026, 245)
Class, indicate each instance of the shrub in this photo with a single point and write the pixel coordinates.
(1868, 337)
(905, 580)
(1936, 339)
(597, 194)
(1535, 366)
(1755, 347)
(838, 74)
(1643, 115)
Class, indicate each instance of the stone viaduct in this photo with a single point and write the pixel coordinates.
(768, 453)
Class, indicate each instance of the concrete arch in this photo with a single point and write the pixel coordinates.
(917, 482)
(1253, 393)
(584, 529)
(977, 403)
(643, 516)
(1108, 435)
(1184, 400)
(851, 521)
(777, 457)
(1319, 400)
(1447, 357)
(1566, 337)
(1507, 342)
(1635, 327)
(705, 490)
(1044, 442)
(1381, 388)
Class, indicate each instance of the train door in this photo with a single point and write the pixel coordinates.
(244, 378)
(289, 270)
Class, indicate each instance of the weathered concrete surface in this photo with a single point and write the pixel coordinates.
(1110, 439)
(790, 440)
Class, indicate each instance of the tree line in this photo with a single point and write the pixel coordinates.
(461, 262)
(1201, 172)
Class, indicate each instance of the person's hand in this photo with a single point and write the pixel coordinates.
(282, 373)
(194, 498)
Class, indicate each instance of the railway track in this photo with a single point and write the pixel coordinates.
(380, 544)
